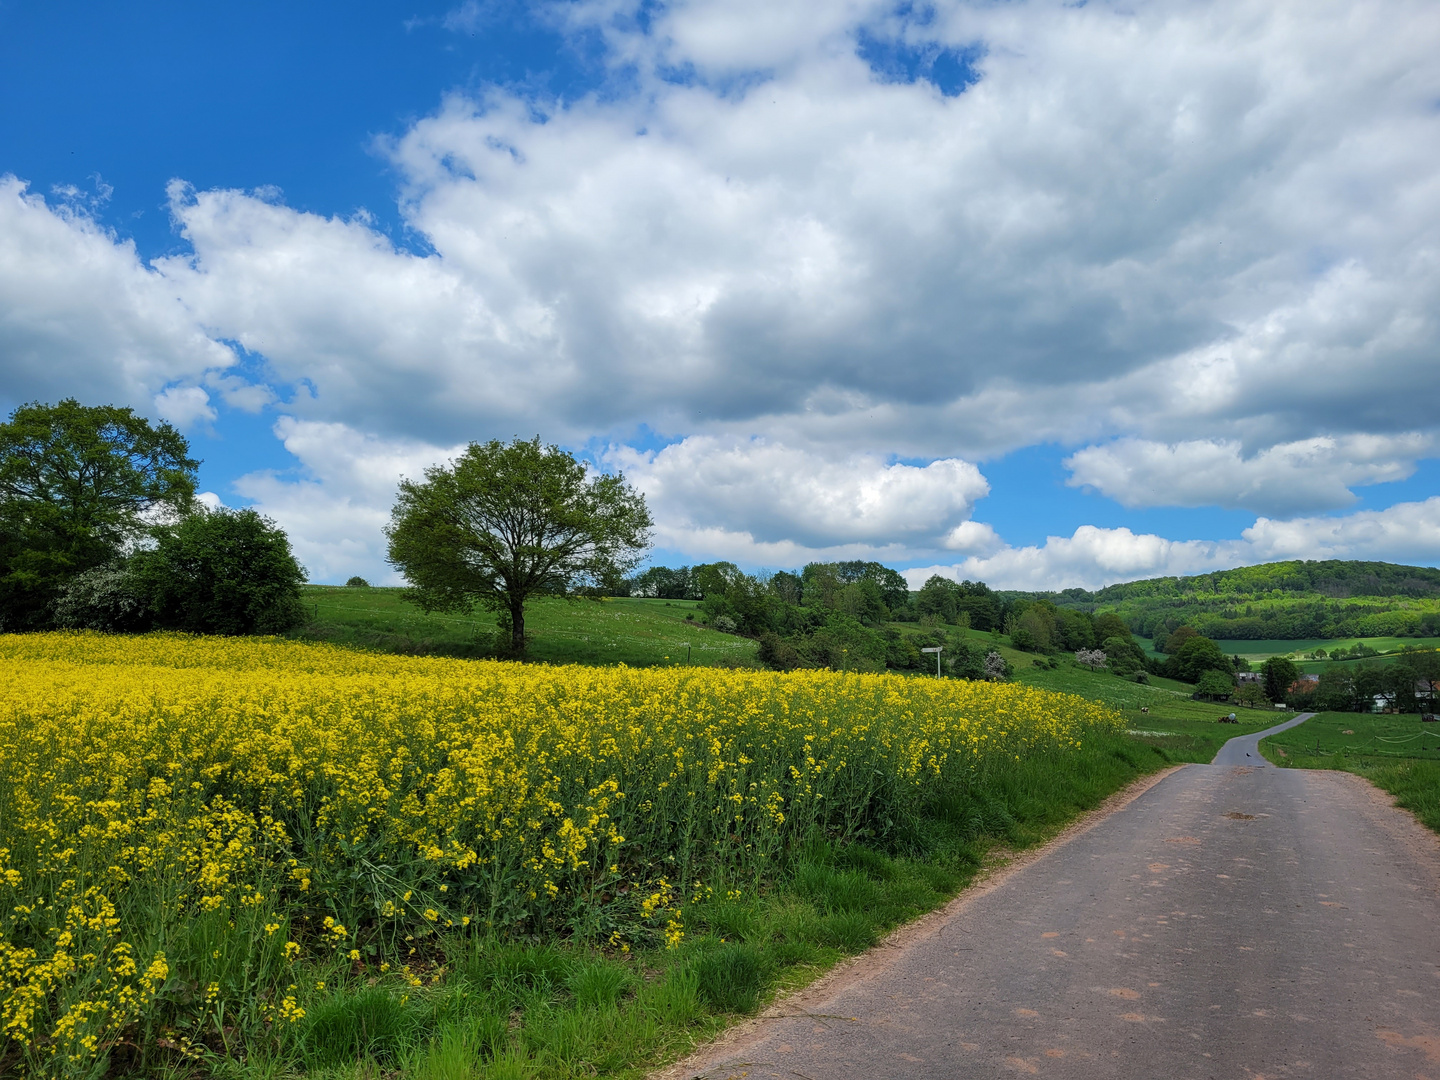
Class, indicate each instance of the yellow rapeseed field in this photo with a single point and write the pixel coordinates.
(182, 820)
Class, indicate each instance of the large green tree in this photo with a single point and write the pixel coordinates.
(507, 522)
(78, 484)
(1280, 673)
(1196, 656)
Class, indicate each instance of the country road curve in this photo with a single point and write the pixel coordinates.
(1234, 920)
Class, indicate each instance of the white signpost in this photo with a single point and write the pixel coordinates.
(936, 649)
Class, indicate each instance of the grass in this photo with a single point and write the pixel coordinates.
(1185, 730)
(1396, 753)
(557, 1010)
(1257, 651)
(640, 633)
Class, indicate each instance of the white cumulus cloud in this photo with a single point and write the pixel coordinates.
(82, 316)
(1294, 477)
(774, 493)
(336, 505)
(1199, 241)
(1093, 557)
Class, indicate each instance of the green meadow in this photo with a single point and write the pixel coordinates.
(614, 630)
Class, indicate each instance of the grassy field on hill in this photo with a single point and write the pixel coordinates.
(1292, 601)
(641, 633)
(1257, 652)
(1184, 729)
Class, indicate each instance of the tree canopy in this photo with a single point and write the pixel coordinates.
(77, 485)
(505, 522)
(1279, 673)
(222, 572)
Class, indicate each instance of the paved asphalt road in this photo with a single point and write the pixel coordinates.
(1235, 920)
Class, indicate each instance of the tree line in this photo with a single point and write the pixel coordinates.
(837, 615)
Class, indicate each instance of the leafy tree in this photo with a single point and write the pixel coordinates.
(1109, 625)
(736, 600)
(78, 484)
(108, 598)
(1336, 690)
(1035, 625)
(1279, 674)
(1196, 656)
(1252, 695)
(665, 583)
(1369, 685)
(938, 597)
(966, 660)
(357, 582)
(844, 644)
(787, 587)
(1125, 657)
(822, 580)
(777, 653)
(1215, 684)
(1173, 643)
(221, 572)
(504, 523)
(1399, 683)
(1074, 630)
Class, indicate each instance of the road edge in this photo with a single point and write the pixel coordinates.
(882, 955)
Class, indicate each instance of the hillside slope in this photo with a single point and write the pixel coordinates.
(1277, 601)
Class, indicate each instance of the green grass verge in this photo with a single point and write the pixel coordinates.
(1396, 753)
(641, 633)
(560, 1010)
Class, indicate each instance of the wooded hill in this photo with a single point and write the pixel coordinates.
(1284, 600)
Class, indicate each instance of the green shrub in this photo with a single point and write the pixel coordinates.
(222, 572)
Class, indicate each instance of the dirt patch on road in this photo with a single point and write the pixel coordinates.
(1000, 866)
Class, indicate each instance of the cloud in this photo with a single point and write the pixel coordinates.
(1306, 475)
(1406, 533)
(335, 507)
(774, 493)
(1201, 242)
(1138, 222)
(80, 315)
(185, 406)
(1090, 558)
(1094, 557)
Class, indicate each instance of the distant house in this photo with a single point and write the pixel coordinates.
(1250, 677)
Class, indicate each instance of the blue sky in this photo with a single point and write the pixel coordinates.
(1045, 294)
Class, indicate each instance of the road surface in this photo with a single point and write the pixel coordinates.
(1235, 920)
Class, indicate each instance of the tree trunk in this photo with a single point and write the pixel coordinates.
(517, 626)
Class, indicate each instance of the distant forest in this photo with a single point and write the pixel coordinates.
(1283, 600)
